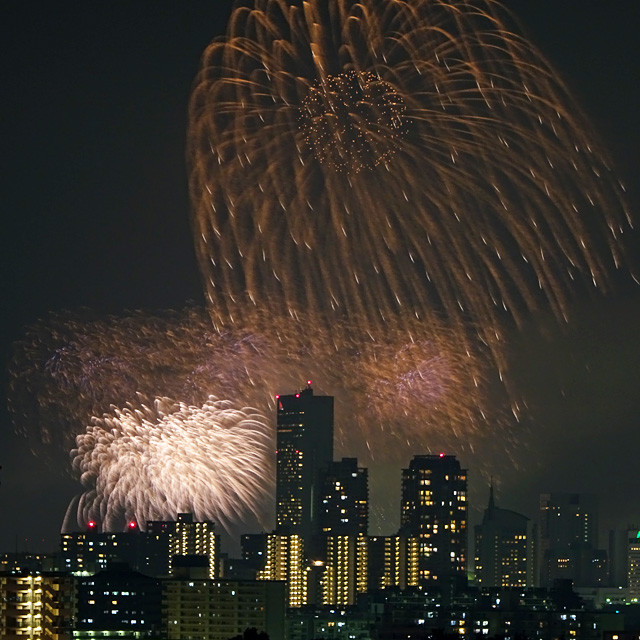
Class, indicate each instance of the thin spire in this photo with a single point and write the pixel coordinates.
(492, 504)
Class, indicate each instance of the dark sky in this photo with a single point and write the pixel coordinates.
(95, 213)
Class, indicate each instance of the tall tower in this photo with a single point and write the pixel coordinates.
(343, 519)
(568, 519)
(285, 560)
(434, 509)
(304, 448)
(568, 539)
(344, 499)
(504, 548)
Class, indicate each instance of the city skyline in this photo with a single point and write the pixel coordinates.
(122, 259)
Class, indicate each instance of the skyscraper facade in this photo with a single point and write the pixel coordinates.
(345, 571)
(434, 510)
(304, 447)
(343, 514)
(392, 562)
(186, 537)
(343, 507)
(568, 540)
(286, 561)
(504, 548)
(633, 563)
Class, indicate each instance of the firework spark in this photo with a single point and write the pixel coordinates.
(382, 160)
(152, 461)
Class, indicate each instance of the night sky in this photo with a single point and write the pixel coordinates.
(96, 214)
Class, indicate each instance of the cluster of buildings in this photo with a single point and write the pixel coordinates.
(319, 574)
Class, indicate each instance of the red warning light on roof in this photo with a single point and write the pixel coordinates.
(297, 395)
(132, 524)
(308, 383)
(91, 524)
(442, 455)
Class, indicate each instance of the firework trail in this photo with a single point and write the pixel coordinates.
(152, 461)
(384, 160)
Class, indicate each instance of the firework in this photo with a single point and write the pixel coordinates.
(152, 461)
(381, 160)
(377, 188)
(423, 389)
(417, 390)
(72, 366)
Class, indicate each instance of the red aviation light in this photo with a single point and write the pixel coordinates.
(91, 524)
(297, 395)
(442, 455)
(133, 524)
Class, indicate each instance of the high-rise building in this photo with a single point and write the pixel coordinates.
(304, 448)
(568, 540)
(504, 549)
(186, 537)
(36, 605)
(286, 560)
(434, 510)
(119, 602)
(345, 570)
(633, 563)
(343, 519)
(92, 550)
(392, 562)
(567, 519)
(221, 609)
(343, 499)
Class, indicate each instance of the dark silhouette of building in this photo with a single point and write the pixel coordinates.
(253, 557)
(504, 548)
(92, 550)
(304, 448)
(568, 541)
(119, 601)
(434, 510)
(567, 519)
